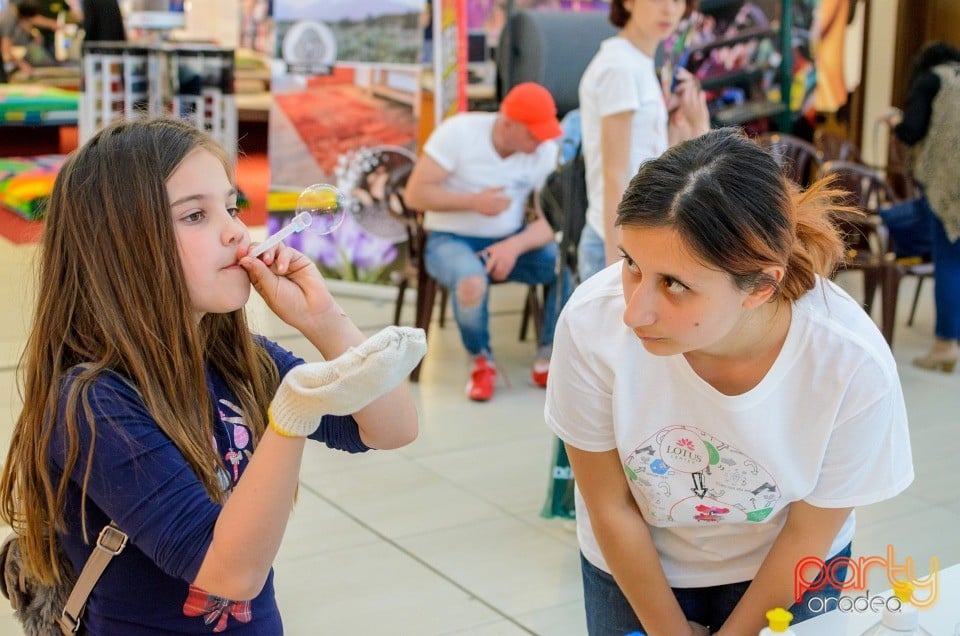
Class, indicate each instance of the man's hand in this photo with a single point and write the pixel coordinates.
(24, 69)
(499, 259)
(491, 202)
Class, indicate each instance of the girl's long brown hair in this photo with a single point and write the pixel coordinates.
(111, 296)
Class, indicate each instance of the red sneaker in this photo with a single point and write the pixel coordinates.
(482, 378)
(539, 373)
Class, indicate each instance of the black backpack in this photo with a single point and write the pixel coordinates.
(563, 200)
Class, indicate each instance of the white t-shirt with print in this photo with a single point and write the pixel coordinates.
(463, 146)
(714, 474)
(620, 78)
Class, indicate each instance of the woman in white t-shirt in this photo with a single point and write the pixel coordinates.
(723, 404)
(625, 118)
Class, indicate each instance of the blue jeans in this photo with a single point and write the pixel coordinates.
(450, 258)
(946, 282)
(609, 613)
(591, 257)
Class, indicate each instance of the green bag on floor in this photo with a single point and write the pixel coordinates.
(560, 490)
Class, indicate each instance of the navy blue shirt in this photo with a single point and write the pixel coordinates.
(141, 481)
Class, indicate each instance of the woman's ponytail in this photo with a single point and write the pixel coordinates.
(818, 246)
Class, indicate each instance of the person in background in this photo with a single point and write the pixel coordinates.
(724, 405)
(101, 20)
(627, 119)
(21, 25)
(930, 125)
(148, 402)
(474, 179)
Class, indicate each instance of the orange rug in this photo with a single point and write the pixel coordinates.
(335, 119)
(17, 229)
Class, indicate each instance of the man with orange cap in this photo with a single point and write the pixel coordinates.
(474, 179)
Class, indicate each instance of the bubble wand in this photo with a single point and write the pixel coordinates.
(317, 201)
(299, 223)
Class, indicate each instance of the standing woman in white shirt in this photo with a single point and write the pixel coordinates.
(723, 404)
(626, 118)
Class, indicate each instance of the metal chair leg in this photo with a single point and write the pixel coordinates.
(401, 292)
(916, 299)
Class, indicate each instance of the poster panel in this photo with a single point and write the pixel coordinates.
(346, 93)
(449, 59)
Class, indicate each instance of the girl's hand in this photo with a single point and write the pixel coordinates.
(289, 283)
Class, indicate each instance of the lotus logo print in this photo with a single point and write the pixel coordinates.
(685, 474)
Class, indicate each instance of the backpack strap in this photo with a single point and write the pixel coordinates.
(110, 543)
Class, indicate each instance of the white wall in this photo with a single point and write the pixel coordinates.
(218, 20)
(878, 75)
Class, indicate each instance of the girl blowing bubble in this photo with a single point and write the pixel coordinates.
(148, 402)
(723, 404)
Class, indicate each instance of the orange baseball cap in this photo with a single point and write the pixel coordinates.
(533, 106)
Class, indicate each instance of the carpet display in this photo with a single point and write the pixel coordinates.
(37, 104)
(26, 183)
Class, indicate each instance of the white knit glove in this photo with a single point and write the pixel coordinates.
(347, 383)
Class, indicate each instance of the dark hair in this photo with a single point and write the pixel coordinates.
(28, 9)
(733, 207)
(619, 15)
(932, 54)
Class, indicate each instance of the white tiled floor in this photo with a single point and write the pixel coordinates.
(445, 537)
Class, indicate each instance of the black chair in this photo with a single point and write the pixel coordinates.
(413, 255)
(867, 239)
(922, 271)
(906, 187)
(801, 160)
(833, 147)
(427, 286)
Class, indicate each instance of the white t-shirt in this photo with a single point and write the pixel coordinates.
(620, 78)
(463, 145)
(714, 474)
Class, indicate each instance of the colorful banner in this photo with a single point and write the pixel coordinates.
(449, 59)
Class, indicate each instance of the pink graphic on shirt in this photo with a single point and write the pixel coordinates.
(234, 423)
(233, 458)
(215, 610)
(710, 513)
(241, 436)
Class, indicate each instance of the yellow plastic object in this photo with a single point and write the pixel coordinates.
(903, 590)
(779, 619)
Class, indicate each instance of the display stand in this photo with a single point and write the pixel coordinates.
(190, 81)
(768, 40)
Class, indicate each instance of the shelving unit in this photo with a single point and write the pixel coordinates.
(190, 81)
(757, 74)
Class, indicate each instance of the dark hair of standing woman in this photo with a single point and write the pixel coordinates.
(932, 54)
(619, 15)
